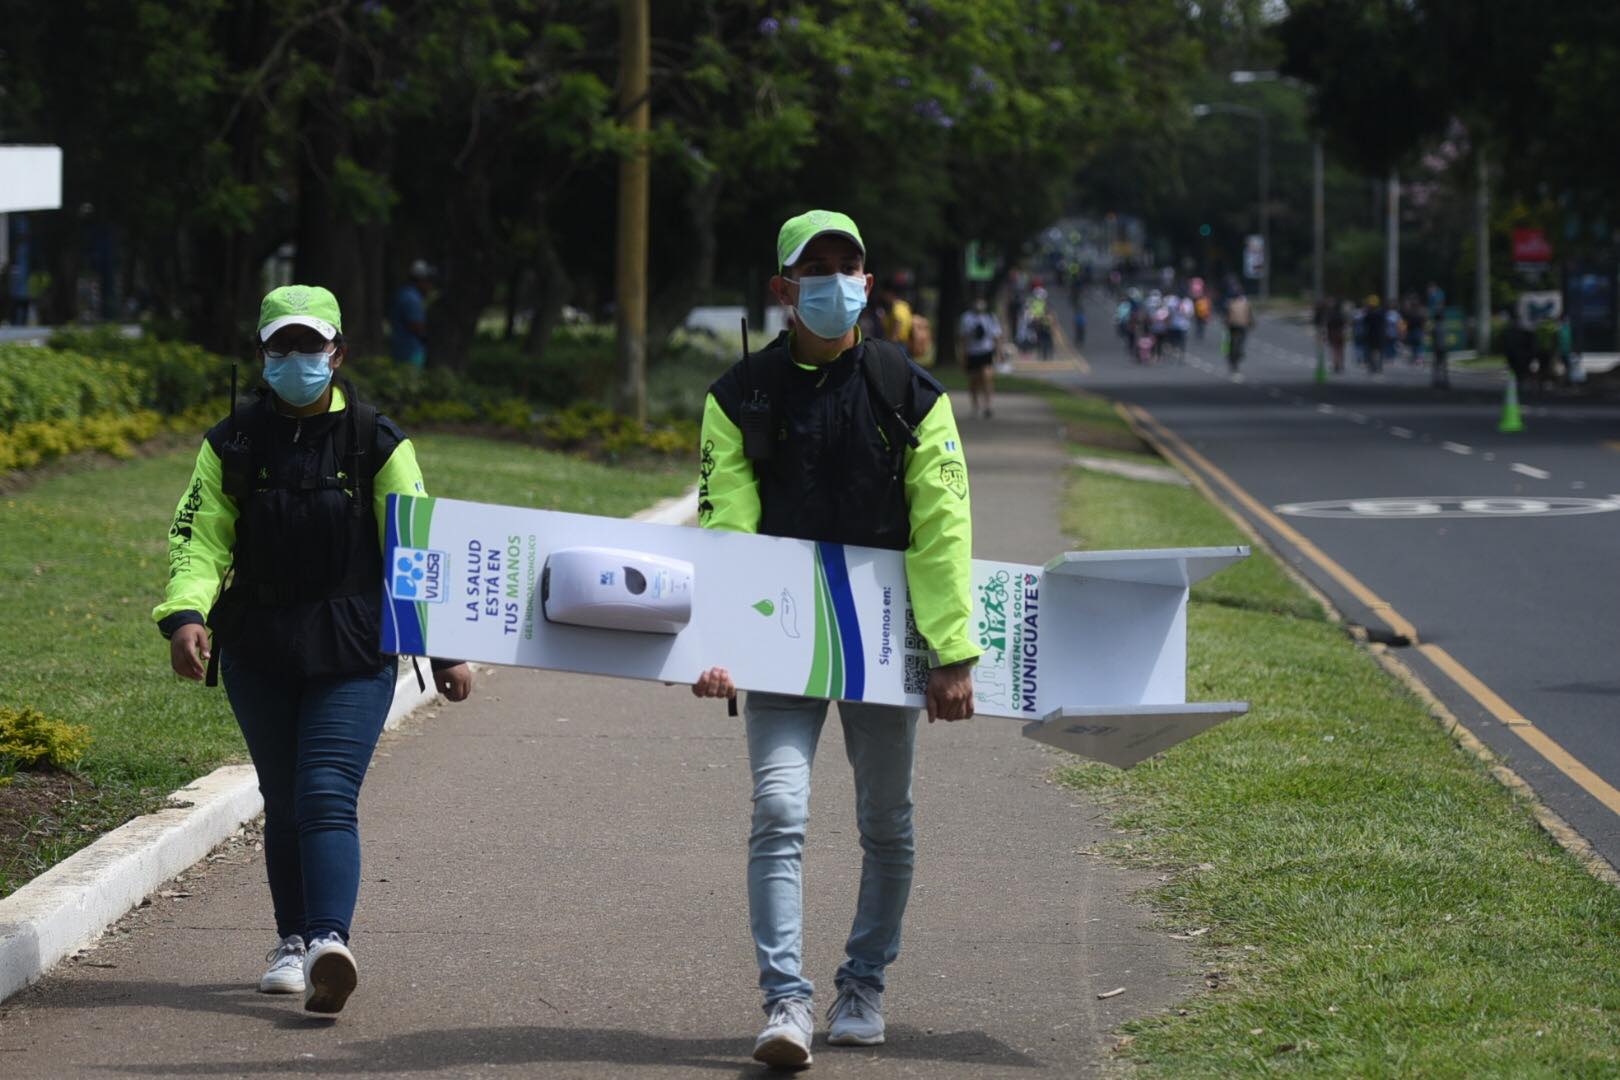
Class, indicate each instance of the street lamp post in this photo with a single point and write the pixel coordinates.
(1265, 179)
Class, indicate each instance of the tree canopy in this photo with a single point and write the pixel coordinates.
(204, 137)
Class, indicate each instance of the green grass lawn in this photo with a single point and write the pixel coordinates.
(82, 563)
(1376, 904)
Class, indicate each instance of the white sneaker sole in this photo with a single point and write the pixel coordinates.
(781, 1052)
(291, 982)
(332, 978)
(847, 1038)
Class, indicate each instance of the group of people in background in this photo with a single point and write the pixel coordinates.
(1379, 331)
(1156, 325)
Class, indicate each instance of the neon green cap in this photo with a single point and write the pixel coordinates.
(300, 305)
(797, 233)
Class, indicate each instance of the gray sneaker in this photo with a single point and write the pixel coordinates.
(285, 975)
(856, 1016)
(785, 1042)
(330, 975)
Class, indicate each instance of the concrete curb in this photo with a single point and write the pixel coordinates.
(71, 904)
(68, 906)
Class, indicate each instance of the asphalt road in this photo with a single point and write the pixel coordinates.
(554, 886)
(1499, 549)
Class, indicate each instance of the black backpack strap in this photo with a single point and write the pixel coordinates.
(357, 455)
(887, 369)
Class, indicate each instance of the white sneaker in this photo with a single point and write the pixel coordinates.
(785, 1042)
(285, 975)
(856, 1016)
(330, 975)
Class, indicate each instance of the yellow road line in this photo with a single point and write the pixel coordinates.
(1368, 599)
(1542, 743)
(1561, 759)
(1612, 444)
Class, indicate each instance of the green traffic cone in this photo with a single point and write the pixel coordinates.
(1511, 420)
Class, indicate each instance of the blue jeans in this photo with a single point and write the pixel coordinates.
(311, 741)
(881, 742)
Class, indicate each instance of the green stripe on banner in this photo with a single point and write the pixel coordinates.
(816, 685)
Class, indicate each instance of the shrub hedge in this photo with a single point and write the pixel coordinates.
(99, 389)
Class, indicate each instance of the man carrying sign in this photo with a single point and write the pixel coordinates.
(825, 436)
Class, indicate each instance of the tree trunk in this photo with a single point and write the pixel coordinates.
(467, 274)
(552, 287)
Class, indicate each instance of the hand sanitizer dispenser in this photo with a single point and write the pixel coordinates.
(614, 589)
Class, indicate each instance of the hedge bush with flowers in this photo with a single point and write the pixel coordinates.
(99, 390)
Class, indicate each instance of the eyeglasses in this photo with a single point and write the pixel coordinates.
(320, 346)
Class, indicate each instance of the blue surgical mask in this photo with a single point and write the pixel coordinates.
(299, 379)
(829, 305)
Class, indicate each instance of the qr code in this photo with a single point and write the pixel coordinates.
(916, 673)
(914, 640)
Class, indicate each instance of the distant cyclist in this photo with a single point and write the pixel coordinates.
(1239, 321)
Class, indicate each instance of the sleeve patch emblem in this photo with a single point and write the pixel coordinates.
(954, 476)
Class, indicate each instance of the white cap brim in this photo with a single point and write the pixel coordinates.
(793, 256)
(321, 326)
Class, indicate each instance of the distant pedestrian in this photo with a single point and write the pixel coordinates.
(979, 336)
(1239, 321)
(1375, 331)
(1574, 373)
(407, 317)
(1518, 348)
(1415, 317)
(1334, 325)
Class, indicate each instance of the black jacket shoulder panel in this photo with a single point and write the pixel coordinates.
(389, 434)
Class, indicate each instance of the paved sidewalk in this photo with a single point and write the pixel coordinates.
(554, 886)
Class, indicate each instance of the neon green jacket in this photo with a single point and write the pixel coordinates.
(204, 529)
(939, 558)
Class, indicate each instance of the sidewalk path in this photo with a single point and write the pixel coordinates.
(554, 886)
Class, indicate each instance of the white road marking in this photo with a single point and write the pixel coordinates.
(1450, 506)
(1400, 433)
(1326, 410)
(1577, 485)
(1530, 470)
(1457, 447)
(1488, 456)
(1358, 418)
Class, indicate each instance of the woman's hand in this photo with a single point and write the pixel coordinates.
(716, 682)
(188, 651)
(455, 683)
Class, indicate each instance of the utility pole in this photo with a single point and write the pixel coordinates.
(1392, 242)
(1265, 208)
(635, 50)
(1318, 221)
(1482, 253)
(1318, 244)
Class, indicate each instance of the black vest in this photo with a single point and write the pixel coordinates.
(836, 471)
(306, 593)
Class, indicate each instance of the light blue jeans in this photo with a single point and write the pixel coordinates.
(881, 742)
